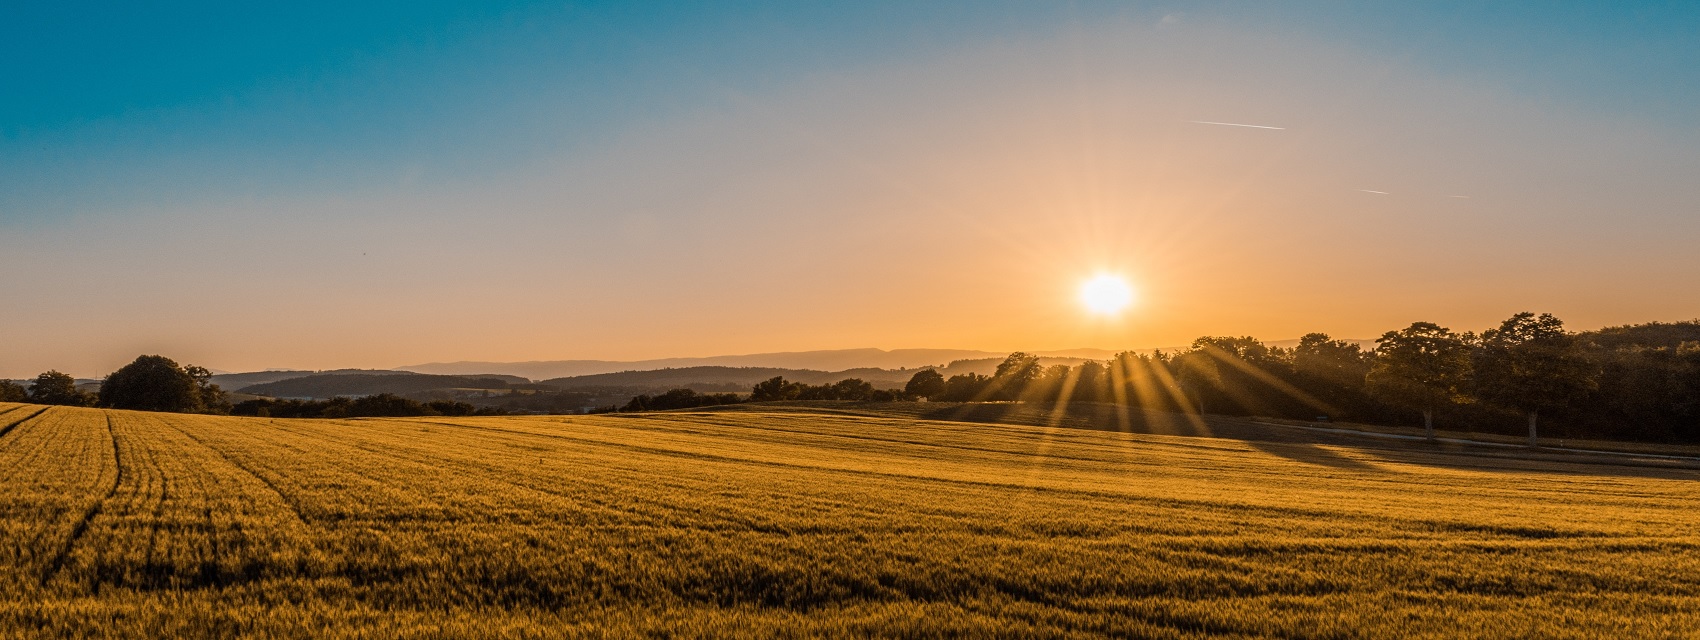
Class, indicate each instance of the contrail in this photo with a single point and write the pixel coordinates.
(1236, 124)
(1370, 191)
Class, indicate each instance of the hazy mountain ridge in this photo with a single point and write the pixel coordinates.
(883, 368)
(826, 361)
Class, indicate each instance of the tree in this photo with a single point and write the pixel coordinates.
(775, 388)
(1532, 364)
(1332, 370)
(926, 383)
(965, 387)
(1420, 367)
(852, 389)
(213, 399)
(1091, 383)
(13, 392)
(151, 383)
(1197, 374)
(1335, 361)
(1014, 374)
(54, 387)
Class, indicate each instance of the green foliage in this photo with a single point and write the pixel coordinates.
(1013, 376)
(926, 383)
(965, 387)
(680, 399)
(58, 388)
(1421, 367)
(13, 392)
(153, 383)
(1199, 377)
(1531, 363)
(772, 389)
(373, 406)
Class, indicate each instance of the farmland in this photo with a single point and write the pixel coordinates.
(759, 522)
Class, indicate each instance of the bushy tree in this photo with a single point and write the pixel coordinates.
(13, 392)
(1013, 376)
(965, 387)
(1090, 383)
(54, 387)
(926, 383)
(1532, 364)
(152, 383)
(1420, 367)
(680, 399)
(213, 399)
(1197, 375)
(772, 389)
(1332, 371)
(852, 389)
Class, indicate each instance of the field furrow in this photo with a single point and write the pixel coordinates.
(758, 524)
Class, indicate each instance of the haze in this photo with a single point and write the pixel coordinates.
(321, 189)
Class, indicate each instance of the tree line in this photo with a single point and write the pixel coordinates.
(1638, 382)
(150, 383)
(157, 383)
(1526, 374)
(381, 405)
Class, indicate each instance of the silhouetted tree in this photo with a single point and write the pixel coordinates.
(54, 387)
(451, 408)
(1014, 374)
(852, 389)
(680, 399)
(13, 392)
(1197, 375)
(151, 383)
(965, 387)
(1089, 382)
(1332, 370)
(775, 388)
(926, 383)
(1532, 364)
(1420, 367)
(213, 399)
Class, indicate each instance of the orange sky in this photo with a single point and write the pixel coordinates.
(953, 201)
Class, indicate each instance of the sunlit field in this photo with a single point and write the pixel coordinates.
(806, 521)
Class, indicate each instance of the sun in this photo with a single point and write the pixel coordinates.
(1106, 294)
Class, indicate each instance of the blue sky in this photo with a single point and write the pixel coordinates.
(340, 156)
(113, 101)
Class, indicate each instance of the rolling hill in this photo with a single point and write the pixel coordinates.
(832, 360)
(330, 385)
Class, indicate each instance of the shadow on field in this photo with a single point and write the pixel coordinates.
(1312, 454)
(1298, 444)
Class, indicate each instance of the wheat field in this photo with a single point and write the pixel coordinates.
(799, 522)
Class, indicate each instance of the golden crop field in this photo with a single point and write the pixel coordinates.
(805, 522)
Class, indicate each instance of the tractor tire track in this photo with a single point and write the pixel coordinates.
(14, 424)
(82, 526)
(294, 507)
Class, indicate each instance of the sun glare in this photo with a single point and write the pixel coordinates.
(1106, 294)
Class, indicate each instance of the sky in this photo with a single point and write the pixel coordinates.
(319, 185)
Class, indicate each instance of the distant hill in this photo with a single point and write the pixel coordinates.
(834, 360)
(239, 380)
(330, 385)
(830, 360)
(1653, 334)
(723, 378)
